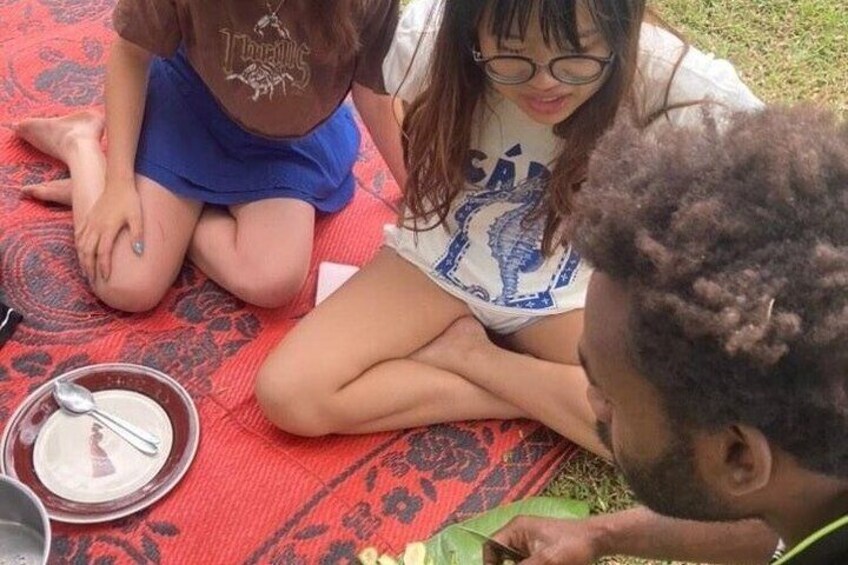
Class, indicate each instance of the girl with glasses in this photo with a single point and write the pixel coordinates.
(505, 100)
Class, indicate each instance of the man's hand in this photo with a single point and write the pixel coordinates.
(548, 541)
(637, 532)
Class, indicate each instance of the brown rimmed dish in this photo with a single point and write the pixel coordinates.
(19, 437)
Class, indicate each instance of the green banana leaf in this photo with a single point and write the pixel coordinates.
(453, 545)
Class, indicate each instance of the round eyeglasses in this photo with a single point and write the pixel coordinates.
(516, 69)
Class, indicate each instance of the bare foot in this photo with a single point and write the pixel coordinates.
(451, 349)
(54, 136)
(57, 191)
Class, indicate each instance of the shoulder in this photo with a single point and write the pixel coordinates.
(668, 66)
(421, 16)
(154, 25)
(418, 25)
(405, 65)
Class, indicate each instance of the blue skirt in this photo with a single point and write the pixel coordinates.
(191, 147)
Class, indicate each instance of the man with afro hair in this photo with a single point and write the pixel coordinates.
(716, 340)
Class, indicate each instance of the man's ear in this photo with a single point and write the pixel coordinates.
(737, 460)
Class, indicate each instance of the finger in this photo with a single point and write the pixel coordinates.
(104, 255)
(498, 555)
(86, 253)
(538, 559)
(79, 243)
(490, 556)
(550, 556)
(510, 534)
(516, 535)
(134, 224)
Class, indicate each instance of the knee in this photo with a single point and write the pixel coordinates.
(290, 403)
(130, 297)
(271, 288)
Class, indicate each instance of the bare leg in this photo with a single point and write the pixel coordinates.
(260, 253)
(345, 367)
(57, 191)
(542, 376)
(52, 135)
(136, 283)
(74, 140)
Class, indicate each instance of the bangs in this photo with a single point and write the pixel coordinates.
(557, 20)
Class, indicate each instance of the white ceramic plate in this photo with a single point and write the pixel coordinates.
(79, 459)
(81, 470)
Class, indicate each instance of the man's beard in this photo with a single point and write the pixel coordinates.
(670, 486)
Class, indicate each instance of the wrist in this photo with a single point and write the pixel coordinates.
(602, 536)
(119, 177)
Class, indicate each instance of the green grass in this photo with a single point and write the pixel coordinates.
(786, 51)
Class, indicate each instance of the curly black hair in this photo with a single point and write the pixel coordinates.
(733, 239)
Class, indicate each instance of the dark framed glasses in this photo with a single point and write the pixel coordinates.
(574, 69)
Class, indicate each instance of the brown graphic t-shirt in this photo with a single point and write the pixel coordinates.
(256, 56)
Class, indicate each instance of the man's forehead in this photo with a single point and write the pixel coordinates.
(608, 300)
(605, 320)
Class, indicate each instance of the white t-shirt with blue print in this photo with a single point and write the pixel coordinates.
(489, 253)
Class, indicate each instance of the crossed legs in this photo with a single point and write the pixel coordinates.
(391, 350)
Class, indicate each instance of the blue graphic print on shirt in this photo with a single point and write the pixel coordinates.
(513, 241)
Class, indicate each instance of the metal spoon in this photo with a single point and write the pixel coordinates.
(77, 399)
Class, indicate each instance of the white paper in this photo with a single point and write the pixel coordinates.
(330, 277)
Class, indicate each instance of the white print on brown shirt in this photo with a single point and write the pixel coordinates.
(269, 64)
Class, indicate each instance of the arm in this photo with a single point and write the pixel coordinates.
(378, 113)
(637, 532)
(126, 93)
(687, 76)
(118, 206)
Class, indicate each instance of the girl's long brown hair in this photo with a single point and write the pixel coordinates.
(438, 123)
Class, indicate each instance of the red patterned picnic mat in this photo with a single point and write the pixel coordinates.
(253, 494)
